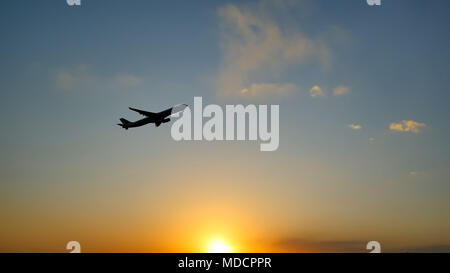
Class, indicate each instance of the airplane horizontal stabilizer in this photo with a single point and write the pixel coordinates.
(124, 121)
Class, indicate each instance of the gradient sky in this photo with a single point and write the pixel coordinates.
(348, 169)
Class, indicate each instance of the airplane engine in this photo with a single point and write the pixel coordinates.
(165, 120)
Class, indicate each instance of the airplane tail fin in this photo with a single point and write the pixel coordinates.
(124, 123)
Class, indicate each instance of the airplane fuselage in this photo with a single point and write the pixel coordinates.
(140, 122)
(156, 118)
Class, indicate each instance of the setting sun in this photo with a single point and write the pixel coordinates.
(219, 246)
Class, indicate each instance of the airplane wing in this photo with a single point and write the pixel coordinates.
(144, 113)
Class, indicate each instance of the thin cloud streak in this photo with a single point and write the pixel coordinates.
(341, 90)
(82, 77)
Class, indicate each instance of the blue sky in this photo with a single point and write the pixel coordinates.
(67, 74)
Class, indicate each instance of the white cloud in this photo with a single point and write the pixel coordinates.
(407, 126)
(255, 45)
(316, 92)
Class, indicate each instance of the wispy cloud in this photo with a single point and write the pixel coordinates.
(355, 126)
(429, 249)
(341, 90)
(257, 89)
(316, 92)
(416, 173)
(70, 78)
(407, 126)
(82, 77)
(307, 245)
(255, 44)
(127, 80)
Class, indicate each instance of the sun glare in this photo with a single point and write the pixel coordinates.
(219, 246)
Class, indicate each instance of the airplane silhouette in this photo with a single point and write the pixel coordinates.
(150, 117)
